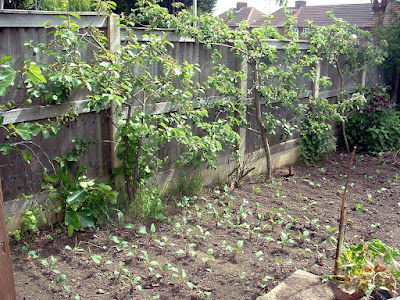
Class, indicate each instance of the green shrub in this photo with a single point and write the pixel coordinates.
(377, 133)
(317, 141)
(375, 128)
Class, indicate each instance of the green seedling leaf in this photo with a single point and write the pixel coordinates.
(62, 278)
(97, 258)
(142, 230)
(190, 285)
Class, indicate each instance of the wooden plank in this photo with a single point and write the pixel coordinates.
(36, 113)
(36, 19)
(7, 285)
(174, 37)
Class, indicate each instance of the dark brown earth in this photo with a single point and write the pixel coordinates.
(308, 201)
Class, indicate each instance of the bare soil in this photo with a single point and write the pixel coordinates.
(115, 262)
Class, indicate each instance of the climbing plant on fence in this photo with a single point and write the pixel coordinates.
(272, 81)
(124, 79)
(351, 51)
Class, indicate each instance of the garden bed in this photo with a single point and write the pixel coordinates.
(231, 244)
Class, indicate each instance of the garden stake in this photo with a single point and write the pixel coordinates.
(343, 216)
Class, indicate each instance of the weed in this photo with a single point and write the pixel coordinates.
(186, 186)
(148, 204)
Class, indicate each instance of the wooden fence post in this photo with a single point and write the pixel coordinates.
(114, 42)
(7, 285)
(315, 84)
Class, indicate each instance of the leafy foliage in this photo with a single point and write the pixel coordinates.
(375, 127)
(371, 265)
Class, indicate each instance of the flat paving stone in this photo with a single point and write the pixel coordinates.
(301, 285)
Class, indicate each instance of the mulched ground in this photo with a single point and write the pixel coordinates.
(223, 245)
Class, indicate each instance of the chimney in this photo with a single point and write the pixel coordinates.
(300, 4)
(240, 5)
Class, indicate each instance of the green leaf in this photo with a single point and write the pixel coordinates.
(27, 155)
(75, 15)
(5, 59)
(24, 130)
(85, 218)
(5, 148)
(72, 221)
(76, 196)
(35, 74)
(50, 178)
(6, 79)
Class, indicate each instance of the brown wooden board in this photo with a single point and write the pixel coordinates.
(7, 286)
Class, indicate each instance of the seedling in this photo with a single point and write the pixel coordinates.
(186, 249)
(313, 223)
(280, 195)
(51, 265)
(181, 278)
(256, 190)
(369, 197)
(359, 208)
(164, 242)
(381, 190)
(121, 270)
(285, 239)
(304, 236)
(120, 244)
(203, 232)
(376, 225)
(259, 255)
(314, 185)
(209, 257)
(321, 170)
(243, 275)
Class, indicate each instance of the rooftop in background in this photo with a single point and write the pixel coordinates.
(251, 15)
(361, 15)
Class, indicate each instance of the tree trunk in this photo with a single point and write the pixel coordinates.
(127, 177)
(346, 142)
(396, 85)
(261, 127)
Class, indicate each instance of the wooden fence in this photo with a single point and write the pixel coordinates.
(18, 178)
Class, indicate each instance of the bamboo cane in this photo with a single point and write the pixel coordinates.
(342, 224)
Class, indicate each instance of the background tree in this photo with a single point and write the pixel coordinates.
(126, 6)
(388, 36)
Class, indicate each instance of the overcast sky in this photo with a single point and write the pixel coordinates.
(269, 6)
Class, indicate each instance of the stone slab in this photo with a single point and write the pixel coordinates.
(301, 285)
